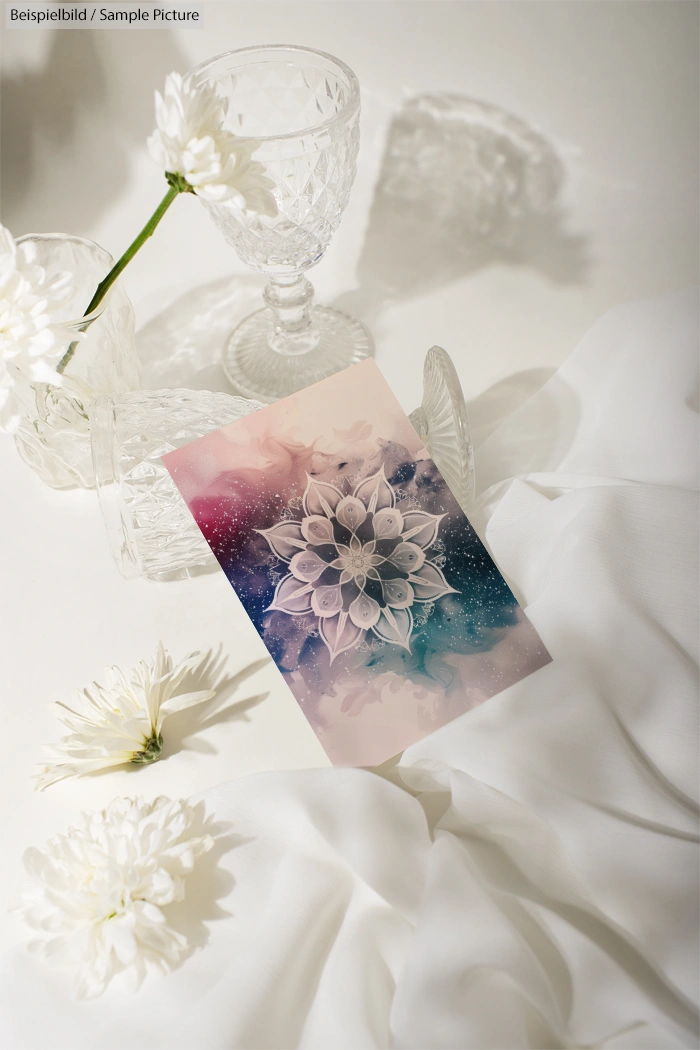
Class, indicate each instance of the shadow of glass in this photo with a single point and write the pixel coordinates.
(187, 572)
(534, 438)
(182, 345)
(498, 402)
(463, 185)
(84, 102)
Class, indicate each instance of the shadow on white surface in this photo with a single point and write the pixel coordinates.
(463, 185)
(66, 123)
(187, 572)
(493, 406)
(183, 344)
(207, 884)
(183, 726)
(535, 436)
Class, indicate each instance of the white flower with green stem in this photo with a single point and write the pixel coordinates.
(198, 156)
(121, 721)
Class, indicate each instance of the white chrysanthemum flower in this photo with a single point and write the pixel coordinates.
(190, 141)
(96, 893)
(31, 340)
(121, 721)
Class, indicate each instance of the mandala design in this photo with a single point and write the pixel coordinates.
(357, 563)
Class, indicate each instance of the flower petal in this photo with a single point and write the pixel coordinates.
(339, 634)
(364, 612)
(429, 583)
(375, 492)
(395, 626)
(317, 529)
(285, 539)
(320, 498)
(387, 523)
(179, 703)
(327, 601)
(420, 527)
(292, 596)
(398, 594)
(407, 557)
(351, 512)
(95, 893)
(307, 566)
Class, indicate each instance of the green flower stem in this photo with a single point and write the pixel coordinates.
(176, 185)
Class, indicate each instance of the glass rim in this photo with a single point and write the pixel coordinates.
(348, 109)
(87, 243)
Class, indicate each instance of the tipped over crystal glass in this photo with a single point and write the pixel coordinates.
(150, 530)
(302, 108)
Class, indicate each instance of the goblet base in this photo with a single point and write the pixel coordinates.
(259, 372)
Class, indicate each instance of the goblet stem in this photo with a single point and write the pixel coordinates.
(289, 298)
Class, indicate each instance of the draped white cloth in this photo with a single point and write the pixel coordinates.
(526, 876)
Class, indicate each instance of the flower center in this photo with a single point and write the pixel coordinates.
(358, 560)
(151, 751)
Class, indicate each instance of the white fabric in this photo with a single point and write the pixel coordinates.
(526, 876)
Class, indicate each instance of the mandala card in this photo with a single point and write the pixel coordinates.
(373, 594)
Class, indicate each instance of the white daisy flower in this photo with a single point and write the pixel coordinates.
(190, 141)
(96, 893)
(122, 721)
(31, 339)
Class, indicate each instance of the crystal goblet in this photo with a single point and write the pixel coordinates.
(302, 108)
(150, 530)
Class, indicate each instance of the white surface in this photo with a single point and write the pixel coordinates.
(339, 914)
(536, 885)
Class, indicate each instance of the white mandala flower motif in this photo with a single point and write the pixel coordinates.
(95, 894)
(31, 340)
(357, 562)
(121, 721)
(190, 140)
